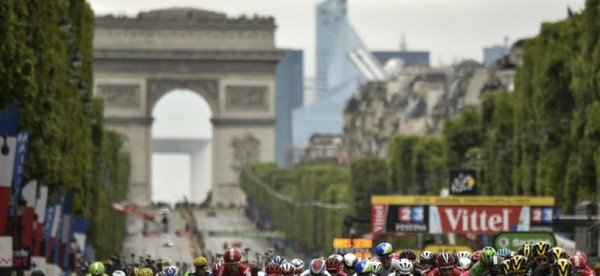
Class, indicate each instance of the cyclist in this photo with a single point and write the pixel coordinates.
(445, 266)
(316, 267)
(579, 260)
(334, 266)
(540, 252)
(493, 266)
(424, 263)
(201, 268)
(480, 266)
(232, 265)
(384, 251)
(298, 266)
(562, 267)
(405, 268)
(350, 261)
(96, 269)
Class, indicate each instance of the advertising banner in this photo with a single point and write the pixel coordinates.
(436, 248)
(6, 251)
(514, 240)
(460, 214)
(22, 258)
(478, 219)
(399, 218)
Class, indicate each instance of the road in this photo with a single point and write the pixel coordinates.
(152, 244)
(229, 221)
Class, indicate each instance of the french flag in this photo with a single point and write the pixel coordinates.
(29, 194)
(40, 211)
(56, 221)
(8, 147)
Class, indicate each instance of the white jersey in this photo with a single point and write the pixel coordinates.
(394, 266)
(307, 273)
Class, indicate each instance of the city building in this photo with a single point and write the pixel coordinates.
(343, 63)
(289, 78)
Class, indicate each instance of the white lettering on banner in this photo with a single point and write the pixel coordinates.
(477, 220)
(379, 218)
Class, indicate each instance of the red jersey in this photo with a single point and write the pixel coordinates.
(588, 271)
(243, 270)
(436, 272)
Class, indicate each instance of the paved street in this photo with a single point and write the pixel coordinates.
(152, 244)
(229, 221)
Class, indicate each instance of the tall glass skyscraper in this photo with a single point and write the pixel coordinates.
(289, 77)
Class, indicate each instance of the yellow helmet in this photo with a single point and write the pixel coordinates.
(562, 267)
(136, 271)
(518, 264)
(525, 250)
(146, 272)
(200, 262)
(557, 253)
(505, 267)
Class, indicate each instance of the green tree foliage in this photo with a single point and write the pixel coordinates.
(369, 177)
(417, 165)
(300, 197)
(68, 144)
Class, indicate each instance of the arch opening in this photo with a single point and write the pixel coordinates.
(181, 148)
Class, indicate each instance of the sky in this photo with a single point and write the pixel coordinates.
(450, 30)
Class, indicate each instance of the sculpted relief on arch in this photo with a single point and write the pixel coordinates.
(246, 149)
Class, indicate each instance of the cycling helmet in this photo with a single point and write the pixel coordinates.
(405, 267)
(273, 268)
(384, 249)
(425, 256)
(332, 264)
(462, 254)
(287, 268)
(146, 272)
(503, 252)
(562, 267)
(464, 264)
(486, 254)
(200, 262)
(408, 254)
(494, 264)
(298, 264)
(505, 267)
(278, 260)
(136, 271)
(540, 249)
(476, 256)
(579, 252)
(232, 255)
(171, 271)
(377, 266)
(363, 267)
(557, 253)
(578, 262)
(337, 256)
(37, 273)
(96, 269)
(445, 260)
(118, 273)
(350, 260)
(316, 266)
(524, 250)
(518, 264)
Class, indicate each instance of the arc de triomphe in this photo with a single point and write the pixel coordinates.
(230, 62)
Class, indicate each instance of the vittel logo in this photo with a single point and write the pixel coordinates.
(478, 219)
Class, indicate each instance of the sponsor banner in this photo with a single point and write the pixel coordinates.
(463, 200)
(463, 182)
(6, 251)
(22, 258)
(478, 219)
(435, 248)
(399, 218)
(514, 240)
(352, 243)
(132, 210)
(542, 218)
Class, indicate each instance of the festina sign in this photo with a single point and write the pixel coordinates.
(478, 219)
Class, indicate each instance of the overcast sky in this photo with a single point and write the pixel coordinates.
(449, 29)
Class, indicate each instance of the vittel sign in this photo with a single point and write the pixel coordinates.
(478, 219)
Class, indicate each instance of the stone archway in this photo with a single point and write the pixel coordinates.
(230, 62)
